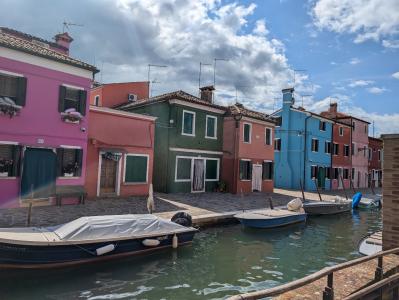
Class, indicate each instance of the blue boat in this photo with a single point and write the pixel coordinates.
(89, 239)
(270, 218)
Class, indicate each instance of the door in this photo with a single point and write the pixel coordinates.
(257, 178)
(39, 173)
(108, 176)
(340, 177)
(321, 177)
(198, 178)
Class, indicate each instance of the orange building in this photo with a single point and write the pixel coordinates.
(248, 153)
(120, 145)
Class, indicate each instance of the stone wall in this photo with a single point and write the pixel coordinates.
(390, 191)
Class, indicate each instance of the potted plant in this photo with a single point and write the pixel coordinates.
(5, 166)
(70, 169)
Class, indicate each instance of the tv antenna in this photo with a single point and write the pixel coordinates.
(67, 25)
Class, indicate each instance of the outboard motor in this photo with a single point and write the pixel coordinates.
(182, 218)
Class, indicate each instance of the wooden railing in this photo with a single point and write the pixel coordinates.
(328, 293)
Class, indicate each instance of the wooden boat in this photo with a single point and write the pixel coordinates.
(89, 239)
(371, 244)
(326, 207)
(270, 218)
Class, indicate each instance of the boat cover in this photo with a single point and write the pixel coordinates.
(115, 226)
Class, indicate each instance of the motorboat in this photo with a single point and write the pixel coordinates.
(371, 244)
(340, 205)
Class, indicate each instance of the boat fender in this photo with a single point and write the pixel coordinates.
(182, 218)
(356, 199)
(175, 241)
(151, 243)
(105, 249)
(294, 205)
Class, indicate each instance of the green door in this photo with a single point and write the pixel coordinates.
(38, 173)
(321, 177)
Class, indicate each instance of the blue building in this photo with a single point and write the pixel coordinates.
(303, 146)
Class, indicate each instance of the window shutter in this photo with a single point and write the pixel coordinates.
(82, 102)
(21, 91)
(79, 160)
(61, 98)
(60, 155)
(16, 157)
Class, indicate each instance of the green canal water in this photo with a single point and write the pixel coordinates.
(222, 261)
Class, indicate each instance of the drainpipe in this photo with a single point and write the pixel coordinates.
(237, 119)
(304, 152)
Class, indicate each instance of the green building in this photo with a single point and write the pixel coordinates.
(188, 140)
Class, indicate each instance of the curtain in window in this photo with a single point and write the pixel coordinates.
(198, 176)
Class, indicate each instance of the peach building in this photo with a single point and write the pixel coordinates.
(248, 154)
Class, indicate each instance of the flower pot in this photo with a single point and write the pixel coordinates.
(68, 174)
(3, 174)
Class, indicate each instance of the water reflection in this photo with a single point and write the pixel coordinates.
(222, 261)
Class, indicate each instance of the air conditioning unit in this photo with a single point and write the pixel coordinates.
(131, 97)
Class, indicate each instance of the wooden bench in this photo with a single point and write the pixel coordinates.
(64, 191)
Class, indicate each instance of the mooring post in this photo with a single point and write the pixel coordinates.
(328, 293)
(379, 272)
(317, 188)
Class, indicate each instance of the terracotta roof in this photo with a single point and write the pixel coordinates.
(239, 109)
(20, 44)
(179, 95)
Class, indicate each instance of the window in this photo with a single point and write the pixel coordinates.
(379, 155)
(97, 100)
(268, 136)
(277, 144)
(183, 169)
(322, 126)
(370, 154)
(346, 150)
(353, 149)
(365, 128)
(335, 149)
(328, 173)
(211, 127)
(364, 151)
(341, 131)
(315, 145)
(327, 147)
(188, 127)
(279, 121)
(247, 133)
(136, 168)
(69, 162)
(212, 170)
(72, 98)
(313, 172)
(353, 125)
(245, 170)
(267, 170)
(353, 174)
(14, 88)
(9, 160)
(335, 173)
(346, 174)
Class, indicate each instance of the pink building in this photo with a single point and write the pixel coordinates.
(248, 153)
(43, 117)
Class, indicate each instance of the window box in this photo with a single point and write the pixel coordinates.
(71, 116)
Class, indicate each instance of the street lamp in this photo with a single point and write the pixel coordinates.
(149, 73)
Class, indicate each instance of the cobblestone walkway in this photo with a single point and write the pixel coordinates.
(165, 205)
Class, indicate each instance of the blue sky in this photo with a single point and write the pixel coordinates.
(349, 48)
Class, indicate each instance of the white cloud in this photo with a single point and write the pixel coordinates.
(366, 19)
(260, 28)
(356, 83)
(394, 44)
(395, 75)
(354, 61)
(376, 90)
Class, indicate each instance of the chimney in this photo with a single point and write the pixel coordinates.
(63, 40)
(333, 108)
(288, 97)
(207, 93)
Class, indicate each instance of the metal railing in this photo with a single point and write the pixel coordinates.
(328, 293)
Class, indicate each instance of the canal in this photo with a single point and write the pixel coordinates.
(222, 261)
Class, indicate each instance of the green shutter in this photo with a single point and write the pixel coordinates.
(211, 169)
(82, 102)
(21, 91)
(61, 98)
(183, 168)
(136, 169)
(210, 127)
(247, 133)
(79, 160)
(188, 123)
(16, 157)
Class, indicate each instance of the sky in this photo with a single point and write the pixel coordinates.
(344, 51)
